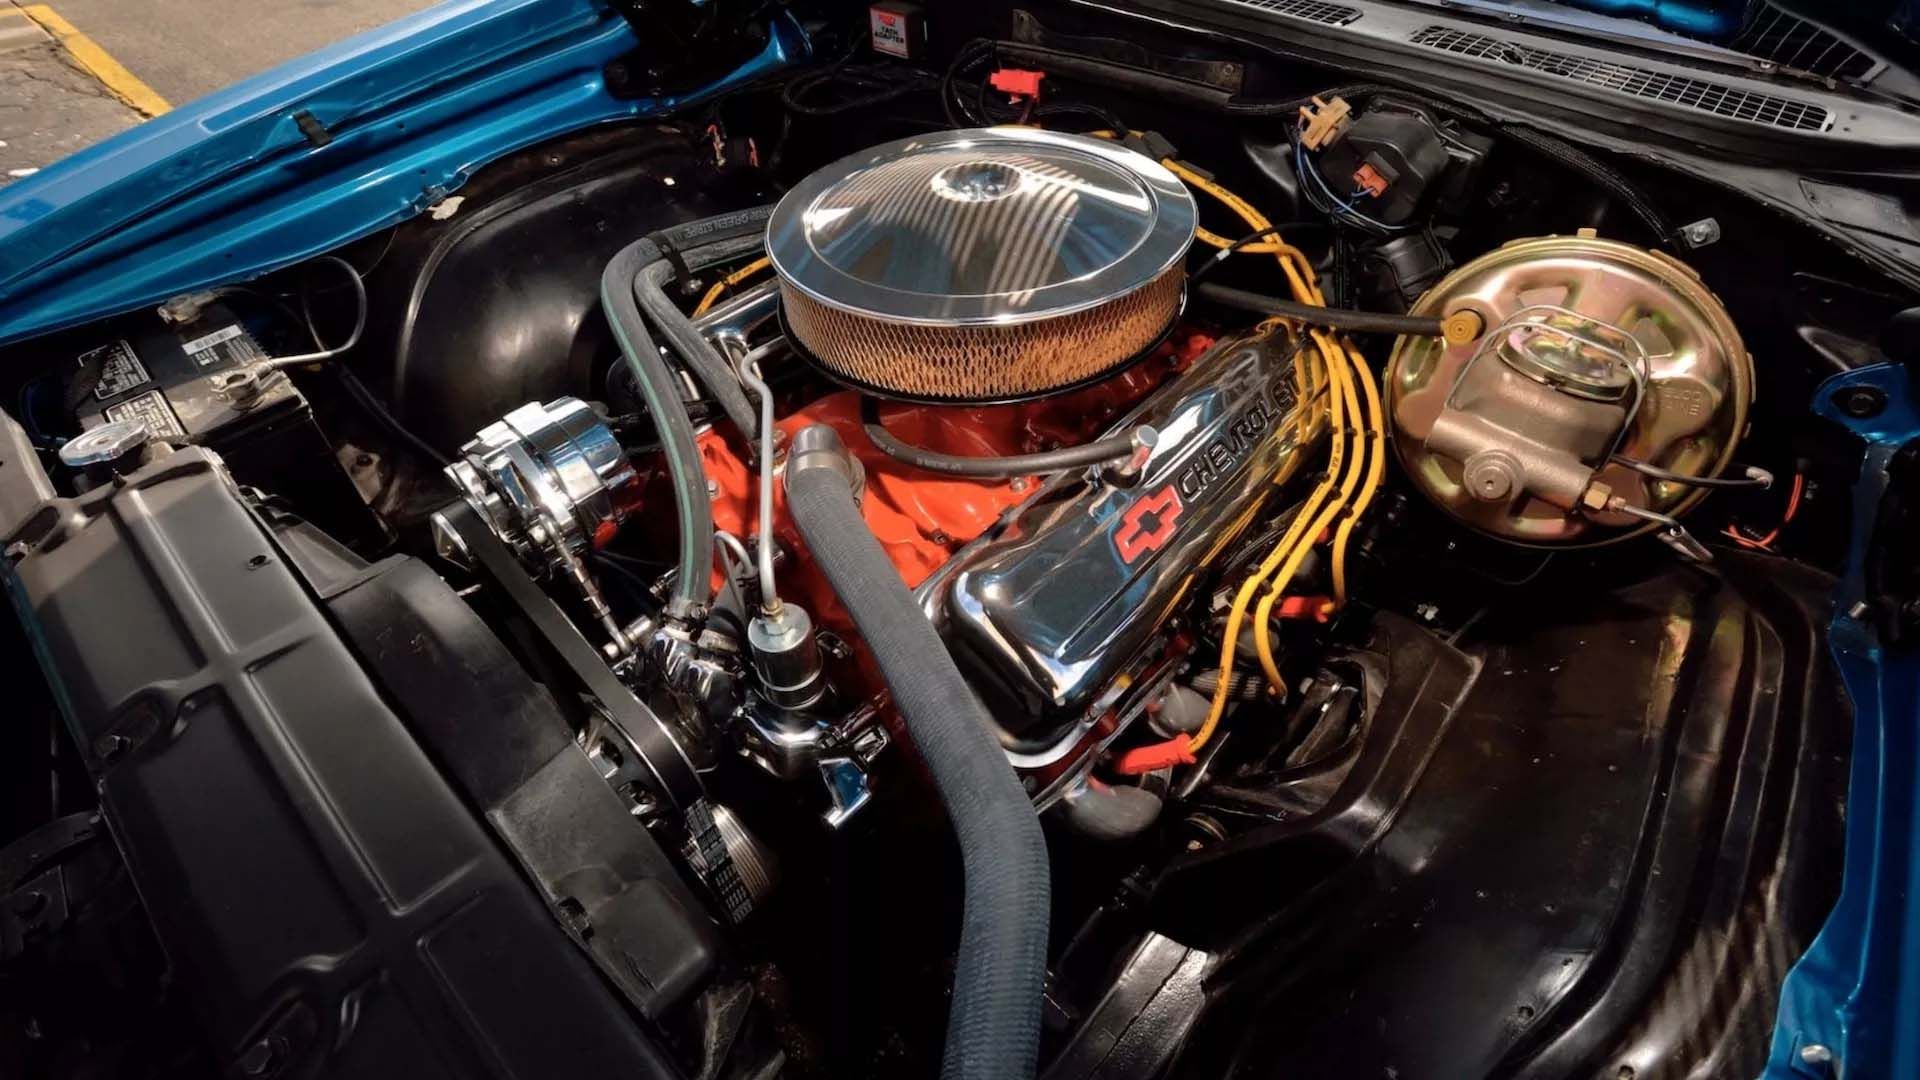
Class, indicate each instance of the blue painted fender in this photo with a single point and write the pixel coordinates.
(228, 187)
(1851, 1006)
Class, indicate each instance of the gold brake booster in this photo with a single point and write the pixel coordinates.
(1598, 369)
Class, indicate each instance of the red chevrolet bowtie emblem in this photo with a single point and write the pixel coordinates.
(1147, 525)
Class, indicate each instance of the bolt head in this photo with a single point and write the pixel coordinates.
(1701, 233)
(1861, 402)
(1816, 1054)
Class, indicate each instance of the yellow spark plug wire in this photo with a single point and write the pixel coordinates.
(720, 287)
(1333, 502)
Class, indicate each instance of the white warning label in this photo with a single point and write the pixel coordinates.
(120, 369)
(205, 349)
(152, 408)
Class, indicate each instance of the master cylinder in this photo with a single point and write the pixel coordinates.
(1598, 367)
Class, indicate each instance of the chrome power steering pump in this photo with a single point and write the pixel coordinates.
(1601, 379)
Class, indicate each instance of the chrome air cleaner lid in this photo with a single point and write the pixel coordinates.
(993, 263)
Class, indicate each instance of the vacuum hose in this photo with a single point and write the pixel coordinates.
(1359, 322)
(700, 243)
(1098, 452)
(993, 1028)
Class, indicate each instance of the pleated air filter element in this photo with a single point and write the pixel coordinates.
(982, 266)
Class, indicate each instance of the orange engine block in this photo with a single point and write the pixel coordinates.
(922, 518)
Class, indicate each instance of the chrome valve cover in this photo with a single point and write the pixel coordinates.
(1068, 597)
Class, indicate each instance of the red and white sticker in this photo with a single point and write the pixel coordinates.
(889, 32)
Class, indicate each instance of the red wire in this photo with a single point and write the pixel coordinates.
(1765, 543)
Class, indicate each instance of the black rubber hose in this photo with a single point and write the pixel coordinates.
(993, 1025)
(1097, 452)
(687, 342)
(1359, 322)
(661, 389)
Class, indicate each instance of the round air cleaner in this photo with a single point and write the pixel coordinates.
(978, 266)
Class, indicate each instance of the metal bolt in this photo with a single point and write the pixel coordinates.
(1859, 611)
(1861, 402)
(1700, 233)
(1816, 1054)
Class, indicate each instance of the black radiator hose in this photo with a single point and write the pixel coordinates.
(993, 1027)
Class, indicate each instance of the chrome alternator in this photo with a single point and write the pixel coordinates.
(551, 481)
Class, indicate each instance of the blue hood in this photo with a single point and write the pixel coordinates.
(229, 187)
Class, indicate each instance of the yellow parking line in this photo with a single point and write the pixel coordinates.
(99, 63)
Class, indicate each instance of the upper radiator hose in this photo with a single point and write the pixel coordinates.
(993, 1028)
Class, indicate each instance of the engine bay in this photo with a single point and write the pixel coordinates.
(958, 561)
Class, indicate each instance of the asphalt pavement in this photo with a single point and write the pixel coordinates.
(73, 72)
